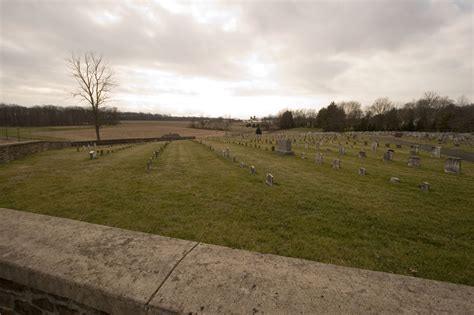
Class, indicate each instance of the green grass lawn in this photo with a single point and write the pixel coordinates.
(312, 211)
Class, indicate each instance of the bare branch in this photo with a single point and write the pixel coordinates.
(95, 81)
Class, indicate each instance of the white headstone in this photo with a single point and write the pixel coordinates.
(414, 161)
(375, 145)
(269, 180)
(319, 158)
(453, 165)
(284, 146)
(436, 152)
(388, 155)
(425, 186)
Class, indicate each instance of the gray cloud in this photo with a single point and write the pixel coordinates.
(322, 50)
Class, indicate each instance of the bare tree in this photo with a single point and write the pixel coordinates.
(95, 80)
(463, 100)
(353, 112)
(381, 106)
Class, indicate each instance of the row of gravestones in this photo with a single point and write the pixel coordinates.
(269, 180)
(331, 138)
(93, 154)
(311, 136)
(336, 164)
(154, 156)
(452, 164)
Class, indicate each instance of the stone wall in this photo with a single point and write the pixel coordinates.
(13, 151)
(19, 299)
(52, 265)
(129, 140)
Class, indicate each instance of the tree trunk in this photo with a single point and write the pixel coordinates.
(96, 123)
(97, 131)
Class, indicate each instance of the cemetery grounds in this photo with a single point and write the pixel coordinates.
(192, 191)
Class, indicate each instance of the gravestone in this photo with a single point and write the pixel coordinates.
(284, 147)
(362, 171)
(242, 164)
(227, 152)
(148, 165)
(436, 152)
(425, 186)
(388, 155)
(453, 165)
(252, 170)
(269, 180)
(375, 145)
(303, 156)
(414, 149)
(394, 180)
(92, 155)
(319, 158)
(414, 161)
(77, 149)
(336, 164)
(362, 154)
(342, 150)
(306, 146)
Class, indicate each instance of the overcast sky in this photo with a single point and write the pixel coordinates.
(239, 58)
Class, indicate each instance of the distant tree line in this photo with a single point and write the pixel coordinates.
(219, 123)
(429, 113)
(48, 115)
(150, 116)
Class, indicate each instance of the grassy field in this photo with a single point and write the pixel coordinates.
(126, 129)
(312, 211)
